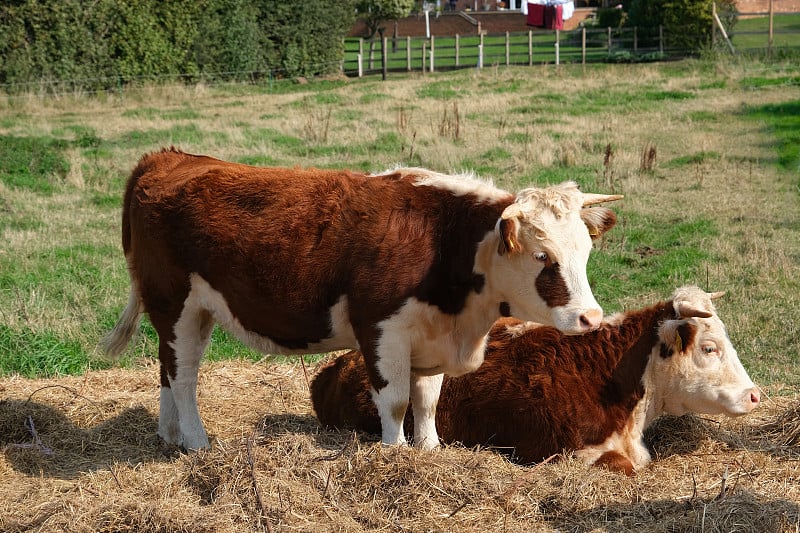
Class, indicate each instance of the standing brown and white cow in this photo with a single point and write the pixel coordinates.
(410, 266)
(540, 392)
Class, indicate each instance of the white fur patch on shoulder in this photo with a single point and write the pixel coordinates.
(614, 320)
(458, 184)
(519, 329)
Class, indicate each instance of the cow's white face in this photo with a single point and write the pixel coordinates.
(698, 370)
(544, 245)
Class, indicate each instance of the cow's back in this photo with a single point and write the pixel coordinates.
(513, 402)
(540, 392)
(281, 246)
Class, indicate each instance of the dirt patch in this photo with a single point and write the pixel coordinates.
(80, 454)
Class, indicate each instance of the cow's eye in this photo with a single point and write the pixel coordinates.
(540, 256)
(710, 349)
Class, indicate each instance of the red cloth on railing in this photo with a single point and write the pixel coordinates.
(535, 15)
(553, 19)
(558, 17)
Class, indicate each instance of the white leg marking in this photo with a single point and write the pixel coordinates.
(394, 365)
(424, 396)
(192, 334)
(168, 427)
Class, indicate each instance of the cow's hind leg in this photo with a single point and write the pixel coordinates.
(182, 342)
(424, 397)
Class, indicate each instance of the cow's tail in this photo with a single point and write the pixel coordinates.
(115, 341)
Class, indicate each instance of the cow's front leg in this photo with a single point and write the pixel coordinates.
(168, 426)
(192, 335)
(391, 399)
(424, 397)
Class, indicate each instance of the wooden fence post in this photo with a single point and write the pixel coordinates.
(384, 66)
(458, 62)
(583, 45)
(431, 52)
(558, 46)
(661, 39)
(508, 49)
(424, 52)
(721, 27)
(480, 52)
(769, 40)
(713, 26)
(530, 48)
(408, 53)
(635, 39)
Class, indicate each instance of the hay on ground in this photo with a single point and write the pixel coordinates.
(80, 454)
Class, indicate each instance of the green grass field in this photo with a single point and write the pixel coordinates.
(706, 153)
(752, 34)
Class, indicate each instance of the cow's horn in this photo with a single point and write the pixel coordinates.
(590, 198)
(512, 211)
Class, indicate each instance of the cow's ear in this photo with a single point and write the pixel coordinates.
(676, 336)
(598, 220)
(508, 229)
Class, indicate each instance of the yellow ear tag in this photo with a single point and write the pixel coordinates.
(593, 232)
(678, 342)
(510, 246)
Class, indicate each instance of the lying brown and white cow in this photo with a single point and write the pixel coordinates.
(540, 392)
(410, 266)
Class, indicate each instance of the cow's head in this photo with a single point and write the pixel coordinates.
(544, 240)
(697, 369)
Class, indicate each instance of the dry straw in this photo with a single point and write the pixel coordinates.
(80, 454)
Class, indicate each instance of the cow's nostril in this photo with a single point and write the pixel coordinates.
(755, 397)
(590, 320)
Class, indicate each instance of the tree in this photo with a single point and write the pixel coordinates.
(687, 23)
(305, 39)
(374, 12)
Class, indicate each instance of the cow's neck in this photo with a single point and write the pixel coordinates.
(637, 361)
(472, 329)
(483, 308)
(628, 346)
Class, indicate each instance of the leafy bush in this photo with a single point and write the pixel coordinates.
(306, 39)
(687, 23)
(64, 45)
(609, 17)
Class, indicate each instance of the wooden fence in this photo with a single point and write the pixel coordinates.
(581, 45)
(533, 47)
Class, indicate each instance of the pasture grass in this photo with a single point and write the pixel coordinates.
(716, 203)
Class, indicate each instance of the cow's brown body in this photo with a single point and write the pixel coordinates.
(540, 392)
(410, 266)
